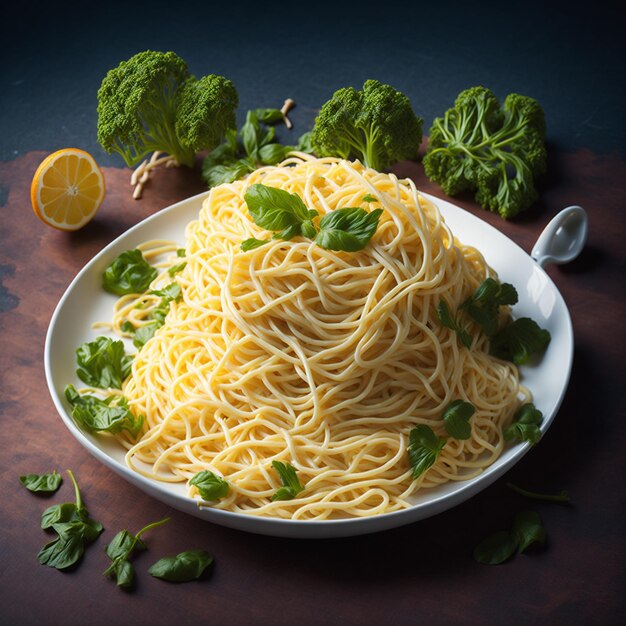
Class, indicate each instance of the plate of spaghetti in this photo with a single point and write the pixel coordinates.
(297, 381)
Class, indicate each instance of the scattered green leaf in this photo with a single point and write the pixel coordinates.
(456, 419)
(42, 483)
(525, 425)
(447, 319)
(103, 363)
(348, 229)
(518, 341)
(183, 567)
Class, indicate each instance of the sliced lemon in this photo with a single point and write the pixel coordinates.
(67, 189)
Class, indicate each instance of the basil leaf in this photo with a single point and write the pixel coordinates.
(369, 198)
(42, 483)
(424, 448)
(250, 134)
(177, 268)
(252, 243)
(128, 273)
(304, 143)
(66, 549)
(170, 292)
(122, 571)
(525, 425)
(518, 341)
(456, 419)
(496, 548)
(446, 319)
(349, 229)
(183, 567)
(110, 415)
(291, 484)
(59, 513)
(269, 116)
(273, 153)
(181, 252)
(275, 209)
(209, 486)
(527, 529)
(228, 172)
(103, 363)
(145, 332)
(74, 528)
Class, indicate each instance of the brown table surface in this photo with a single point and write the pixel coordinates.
(421, 572)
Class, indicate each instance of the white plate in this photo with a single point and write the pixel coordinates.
(85, 302)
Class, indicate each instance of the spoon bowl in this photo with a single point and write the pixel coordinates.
(563, 239)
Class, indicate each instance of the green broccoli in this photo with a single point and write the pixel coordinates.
(151, 103)
(376, 125)
(495, 151)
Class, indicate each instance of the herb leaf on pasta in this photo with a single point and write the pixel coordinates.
(291, 484)
(349, 229)
(424, 448)
(456, 419)
(103, 363)
(210, 486)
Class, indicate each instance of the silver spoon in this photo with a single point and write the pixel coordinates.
(563, 239)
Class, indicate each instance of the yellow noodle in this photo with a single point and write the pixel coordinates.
(322, 359)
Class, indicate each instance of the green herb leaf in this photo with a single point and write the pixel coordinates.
(145, 332)
(269, 116)
(181, 252)
(42, 483)
(369, 198)
(275, 209)
(225, 173)
(210, 486)
(289, 478)
(177, 268)
(74, 528)
(252, 243)
(120, 550)
(484, 304)
(110, 415)
(424, 448)
(447, 319)
(171, 292)
(525, 425)
(527, 529)
(349, 229)
(103, 363)
(456, 419)
(304, 143)
(496, 548)
(183, 567)
(518, 341)
(273, 153)
(129, 273)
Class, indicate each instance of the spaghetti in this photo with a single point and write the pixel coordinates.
(325, 360)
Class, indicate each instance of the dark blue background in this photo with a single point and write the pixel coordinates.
(569, 57)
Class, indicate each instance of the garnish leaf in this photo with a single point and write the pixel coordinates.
(496, 548)
(368, 197)
(183, 567)
(269, 116)
(210, 486)
(349, 229)
(252, 243)
(42, 483)
(447, 319)
(424, 448)
(291, 484)
(177, 268)
(562, 496)
(518, 341)
(275, 209)
(170, 292)
(128, 273)
(527, 529)
(110, 415)
(145, 332)
(120, 550)
(74, 527)
(456, 419)
(103, 363)
(525, 425)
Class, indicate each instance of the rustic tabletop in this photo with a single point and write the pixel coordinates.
(424, 571)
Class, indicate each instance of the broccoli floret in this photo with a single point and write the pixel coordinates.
(152, 103)
(495, 151)
(376, 125)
